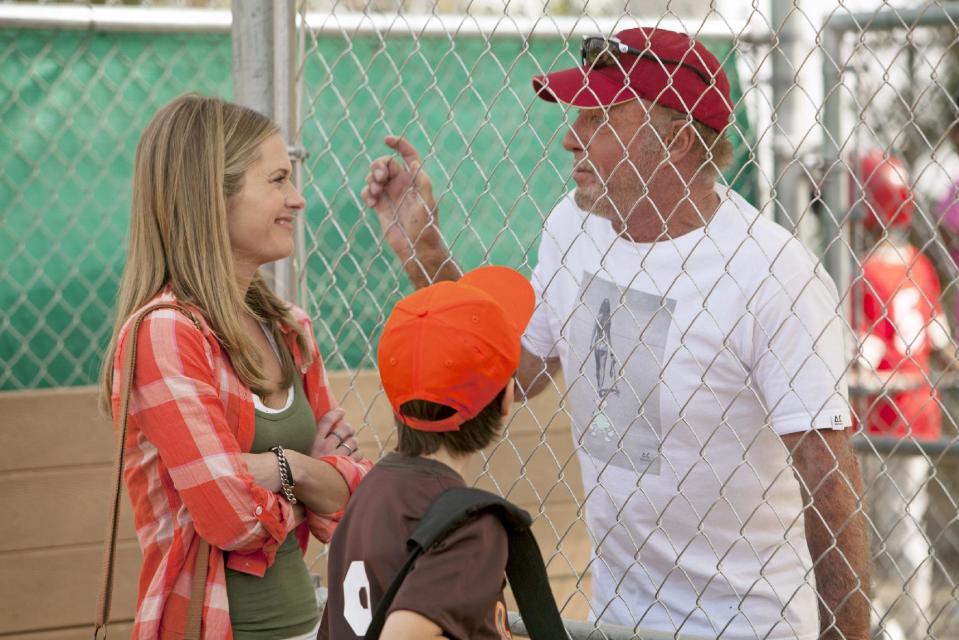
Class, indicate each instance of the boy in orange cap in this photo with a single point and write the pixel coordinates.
(446, 358)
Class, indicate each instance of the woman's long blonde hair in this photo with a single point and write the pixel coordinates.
(190, 160)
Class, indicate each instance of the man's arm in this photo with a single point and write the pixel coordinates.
(831, 485)
(401, 193)
(533, 375)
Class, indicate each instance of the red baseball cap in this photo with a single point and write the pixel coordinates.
(667, 68)
(885, 189)
(455, 344)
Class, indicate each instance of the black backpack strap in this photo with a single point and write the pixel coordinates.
(524, 569)
(527, 577)
(379, 616)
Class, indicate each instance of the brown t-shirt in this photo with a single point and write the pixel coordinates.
(458, 584)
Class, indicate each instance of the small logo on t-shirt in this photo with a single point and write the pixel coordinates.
(837, 420)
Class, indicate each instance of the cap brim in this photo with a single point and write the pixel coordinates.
(510, 289)
(584, 90)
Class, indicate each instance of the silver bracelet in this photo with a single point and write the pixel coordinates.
(286, 474)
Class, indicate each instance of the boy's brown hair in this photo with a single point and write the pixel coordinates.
(473, 435)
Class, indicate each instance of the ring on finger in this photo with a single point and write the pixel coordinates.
(338, 437)
(347, 447)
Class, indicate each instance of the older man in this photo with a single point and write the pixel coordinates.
(702, 351)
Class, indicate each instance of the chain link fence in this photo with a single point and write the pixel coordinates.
(815, 89)
(73, 105)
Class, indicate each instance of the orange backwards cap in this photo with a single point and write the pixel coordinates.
(455, 344)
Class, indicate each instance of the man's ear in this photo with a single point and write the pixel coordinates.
(682, 140)
(507, 404)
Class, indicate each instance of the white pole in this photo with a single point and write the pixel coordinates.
(264, 69)
(286, 115)
(790, 199)
(837, 256)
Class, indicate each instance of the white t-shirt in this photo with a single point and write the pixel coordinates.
(684, 361)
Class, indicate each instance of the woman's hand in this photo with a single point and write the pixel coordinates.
(335, 437)
(318, 486)
(265, 469)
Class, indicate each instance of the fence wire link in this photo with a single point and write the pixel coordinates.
(815, 89)
(73, 105)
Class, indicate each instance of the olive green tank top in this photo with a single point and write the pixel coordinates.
(282, 603)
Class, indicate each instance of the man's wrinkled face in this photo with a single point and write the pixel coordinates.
(617, 152)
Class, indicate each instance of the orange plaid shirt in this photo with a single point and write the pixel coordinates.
(190, 419)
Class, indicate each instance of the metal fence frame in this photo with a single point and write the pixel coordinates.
(839, 258)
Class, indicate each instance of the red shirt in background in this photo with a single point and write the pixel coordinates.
(899, 295)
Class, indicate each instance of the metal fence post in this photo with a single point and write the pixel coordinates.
(286, 115)
(788, 203)
(835, 233)
(264, 71)
(252, 34)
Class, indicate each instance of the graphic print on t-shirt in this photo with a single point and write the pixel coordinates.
(601, 346)
(357, 605)
(618, 338)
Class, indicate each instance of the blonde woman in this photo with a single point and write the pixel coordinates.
(218, 390)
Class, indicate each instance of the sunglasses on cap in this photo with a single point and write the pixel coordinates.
(598, 52)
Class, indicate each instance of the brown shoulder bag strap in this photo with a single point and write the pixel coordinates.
(195, 611)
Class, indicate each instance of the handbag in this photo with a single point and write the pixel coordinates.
(195, 610)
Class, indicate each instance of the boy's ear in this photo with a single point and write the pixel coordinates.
(507, 404)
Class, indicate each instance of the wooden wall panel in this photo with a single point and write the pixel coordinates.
(56, 588)
(58, 507)
(53, 428)
(115, 630)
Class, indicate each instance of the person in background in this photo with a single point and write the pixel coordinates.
(900, 326)
(233, 437)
